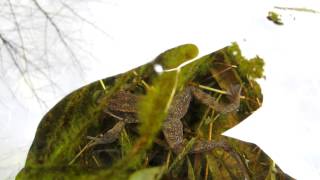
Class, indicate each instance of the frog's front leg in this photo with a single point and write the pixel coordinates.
(121, 106)
(111, 135)
(114, 133)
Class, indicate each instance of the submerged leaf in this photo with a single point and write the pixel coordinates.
(147, 173)
(191, 175)
(141, 151)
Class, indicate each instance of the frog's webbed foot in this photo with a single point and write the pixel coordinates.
(110, 136)
(233, 96)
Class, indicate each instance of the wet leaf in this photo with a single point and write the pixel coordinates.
(147, 173)
(61, 149)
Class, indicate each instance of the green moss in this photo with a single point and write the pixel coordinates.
(63, 130)
(153, 107)
(176, 56)
(275, 18)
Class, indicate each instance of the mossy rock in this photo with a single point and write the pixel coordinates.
(59, 148)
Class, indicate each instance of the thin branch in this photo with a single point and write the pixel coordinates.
(11, 52)
(84, 20)
(24, 57)
(18, 46)
(11, 49)
(59, 33)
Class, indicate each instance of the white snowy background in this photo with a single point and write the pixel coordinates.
(287, 125)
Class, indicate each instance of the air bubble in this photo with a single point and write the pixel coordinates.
(234, 53)
(158, 68)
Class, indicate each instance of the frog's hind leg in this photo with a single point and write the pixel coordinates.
(201, 146)
(172, 127)
(174, 136)
(173, 132)
(233, 96)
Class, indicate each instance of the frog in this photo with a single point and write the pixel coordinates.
(123, 107)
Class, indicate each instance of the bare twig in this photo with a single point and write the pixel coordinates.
(60, 35)
(24, 56)
(84, 19)
(298, 9)
(23, 53)
(10, 50)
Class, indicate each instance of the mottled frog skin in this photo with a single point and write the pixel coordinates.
(123, 105)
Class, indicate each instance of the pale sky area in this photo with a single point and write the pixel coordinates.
(287, 125)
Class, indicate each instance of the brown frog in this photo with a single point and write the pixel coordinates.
(123, 106)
